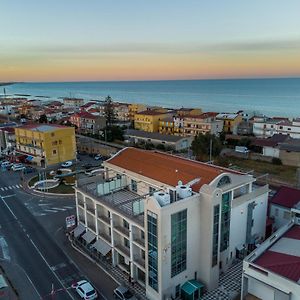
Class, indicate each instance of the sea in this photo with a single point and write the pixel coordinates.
(270, 97)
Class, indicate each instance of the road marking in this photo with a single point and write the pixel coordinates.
(43, 204)
(49, 210)
(59, 266)
(19, 186)
(5, 188)
(2, 189)
(38, 251)
(61, 209)
(7, 196)
(10, 187)
(69, 207)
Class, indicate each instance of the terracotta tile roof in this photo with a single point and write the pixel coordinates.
(151, 113)
(283, 264)
(293, 233)
(166, 168)
(272, 141)
(286, 197)
(84, 114)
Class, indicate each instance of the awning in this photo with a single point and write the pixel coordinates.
(101, 247)
(29, 158)
(79, 230)
(89, 236)
(191, 286)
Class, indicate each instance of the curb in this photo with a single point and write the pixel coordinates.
(92, 260)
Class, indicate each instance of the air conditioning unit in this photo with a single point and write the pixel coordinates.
(162, 198)
(184, 191)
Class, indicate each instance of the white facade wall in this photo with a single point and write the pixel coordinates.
(271, 151)
(280, 214)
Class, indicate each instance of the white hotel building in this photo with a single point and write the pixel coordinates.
(166, 220)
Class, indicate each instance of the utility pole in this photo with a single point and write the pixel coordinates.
(210, 149)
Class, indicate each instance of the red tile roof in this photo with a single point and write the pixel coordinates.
(282, 264)
(84, 114)
(293, 233)
(166, 168)
(286, 197)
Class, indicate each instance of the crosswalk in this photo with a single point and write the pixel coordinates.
(43, 209)
(10, 187)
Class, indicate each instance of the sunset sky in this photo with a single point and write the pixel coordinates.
(73, 40)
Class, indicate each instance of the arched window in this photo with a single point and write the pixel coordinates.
(224, 180)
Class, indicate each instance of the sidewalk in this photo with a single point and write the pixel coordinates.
(102, 274)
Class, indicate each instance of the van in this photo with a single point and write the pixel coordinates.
(6, 164)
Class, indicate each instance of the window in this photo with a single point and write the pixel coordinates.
(177, 291)
(276, 212)
(178, 242)
(133, 185)
(54, 143)
(152, 250)
(125, 224)
(223, 181)
(126, 243)
(151, 190)
(54, 152)
(52, 134)
(225, 220)
(215, 242)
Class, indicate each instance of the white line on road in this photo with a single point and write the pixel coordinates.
(2, 189)
(38, 251)
(49, 210)
(5, 188)
(8, 196)
(61, 209)
(69, 207)
(10, 187)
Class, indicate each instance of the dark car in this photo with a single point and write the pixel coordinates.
(29, 169)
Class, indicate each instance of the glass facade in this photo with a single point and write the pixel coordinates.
(178, 242)
(215, 235)
(152, 250)
(225, 220)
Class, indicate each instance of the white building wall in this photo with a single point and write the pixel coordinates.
(281, 215)
(270, 151)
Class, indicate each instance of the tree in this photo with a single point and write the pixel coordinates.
(114, 133)
(109, 111)
(43, 119)
(201, 146)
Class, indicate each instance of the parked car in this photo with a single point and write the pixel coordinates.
(85, 290)
(29, 169)
(17, 167)
(123, 293)
(6, 164)
(67, 164)
(98, 157)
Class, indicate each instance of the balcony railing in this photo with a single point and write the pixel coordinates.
(124, 250)
(121, 229)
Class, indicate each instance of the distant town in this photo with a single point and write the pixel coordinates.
(143, 178)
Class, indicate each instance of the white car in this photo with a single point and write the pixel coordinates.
(6, 164)
(18, 167)
(85, 290)
(123, 293)
(67, 164)
(98, 157)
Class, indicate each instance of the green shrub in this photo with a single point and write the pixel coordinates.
(276, 161)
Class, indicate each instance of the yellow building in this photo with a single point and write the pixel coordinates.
(148, 120)
(46, 144)
(231, 122)
(166, 126)
(188, 111)
(134, 108)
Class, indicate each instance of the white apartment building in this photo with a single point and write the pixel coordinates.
(202, 124)
(272, 271)
(166, 220)
(267, 127)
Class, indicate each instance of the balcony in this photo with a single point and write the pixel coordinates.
(122, 230)
(104, 219)
(140, 262)
(140, 242)
(105, 237)
(123, 250)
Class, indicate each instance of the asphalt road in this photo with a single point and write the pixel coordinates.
(31, 248)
